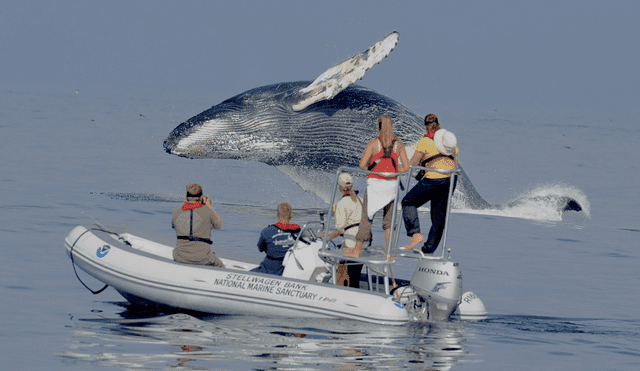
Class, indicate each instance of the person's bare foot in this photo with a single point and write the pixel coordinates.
(415, 240)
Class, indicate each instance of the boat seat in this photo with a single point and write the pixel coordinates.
(302, 262)
(146, 245)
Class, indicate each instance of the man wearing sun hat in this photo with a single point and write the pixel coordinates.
(436, 150)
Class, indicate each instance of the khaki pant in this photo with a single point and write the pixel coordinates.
(364, 231)
(210, 259)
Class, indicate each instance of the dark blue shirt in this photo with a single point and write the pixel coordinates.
(275, 240)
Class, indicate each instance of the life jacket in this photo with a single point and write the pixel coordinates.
(424, 163)
(385, 161)
(293, 228)
(191, 237)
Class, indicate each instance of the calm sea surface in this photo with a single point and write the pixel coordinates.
(562, 292)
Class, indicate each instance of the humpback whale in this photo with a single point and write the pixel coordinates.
(308, 128)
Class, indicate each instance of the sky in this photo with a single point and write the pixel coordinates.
(578, 54)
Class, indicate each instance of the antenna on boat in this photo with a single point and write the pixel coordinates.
(448, 212)
(321, 213)
(95, 221)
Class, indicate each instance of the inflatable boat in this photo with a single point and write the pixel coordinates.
(140, 266)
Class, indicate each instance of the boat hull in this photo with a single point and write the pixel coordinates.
(142, 270)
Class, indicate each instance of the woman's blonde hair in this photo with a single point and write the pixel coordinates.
(385, 125)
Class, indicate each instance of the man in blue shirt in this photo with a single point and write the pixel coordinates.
(276, 239)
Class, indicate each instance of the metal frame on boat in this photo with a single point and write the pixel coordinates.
(141, 268)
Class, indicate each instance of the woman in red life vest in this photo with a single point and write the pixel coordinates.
(436, 150)
(384, 154)
(193, 223)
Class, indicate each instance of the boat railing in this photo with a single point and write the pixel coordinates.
(379, 258)
(378, 254)
(376, 259)
(404, 185)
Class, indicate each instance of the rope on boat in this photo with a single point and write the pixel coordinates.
(73, 264)
(393, 280)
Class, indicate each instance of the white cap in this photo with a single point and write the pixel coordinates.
(445, 142)
(345, 180)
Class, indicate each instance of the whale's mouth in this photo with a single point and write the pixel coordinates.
(206, 151)
(214, 140)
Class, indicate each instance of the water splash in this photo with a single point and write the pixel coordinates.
(547, 202)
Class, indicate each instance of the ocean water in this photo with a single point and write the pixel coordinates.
(561, 290)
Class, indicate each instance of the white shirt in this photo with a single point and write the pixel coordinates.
(348, 213)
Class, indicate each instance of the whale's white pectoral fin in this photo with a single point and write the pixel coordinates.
(410, 148)
(313, 181)
(337, 78)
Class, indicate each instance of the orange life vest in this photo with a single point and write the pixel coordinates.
(385, 161)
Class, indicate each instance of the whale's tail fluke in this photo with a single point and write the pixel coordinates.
(571, 205)
(339, 77)
(545, 202)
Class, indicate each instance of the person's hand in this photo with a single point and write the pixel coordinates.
(330, 236)
(206, 200)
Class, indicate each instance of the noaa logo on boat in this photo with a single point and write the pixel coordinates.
(102, 251)
(398, 303)
(439, 286)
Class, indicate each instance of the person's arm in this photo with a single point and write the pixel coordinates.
(455, 156)
(422, 149)
(217, 222)
(332, 234)
(366, 156)
(341, 221)
(415, 159)
(403, 158)
(262, 243)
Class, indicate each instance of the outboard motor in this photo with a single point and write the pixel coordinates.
(439, 284)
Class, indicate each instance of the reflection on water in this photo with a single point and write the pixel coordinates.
(193, 341)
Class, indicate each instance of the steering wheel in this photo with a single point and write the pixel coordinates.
(308, 236)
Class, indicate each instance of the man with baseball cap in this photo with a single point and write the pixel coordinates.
(348, 213)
